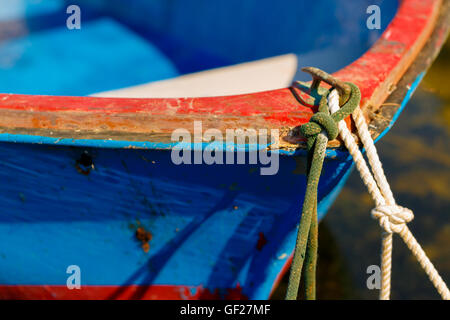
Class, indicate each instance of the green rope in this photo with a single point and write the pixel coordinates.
(309, 205)
(321, 127)
(311, 258)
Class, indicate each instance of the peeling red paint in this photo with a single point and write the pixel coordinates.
(375, 72)
(206, 294)
(133, 292)
(235, 294)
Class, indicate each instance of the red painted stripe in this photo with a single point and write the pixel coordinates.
(133, 292)
(282, 273)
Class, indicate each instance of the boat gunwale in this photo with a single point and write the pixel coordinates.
(148, 123)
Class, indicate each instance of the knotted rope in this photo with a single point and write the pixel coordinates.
(321, 127)
(392, 217)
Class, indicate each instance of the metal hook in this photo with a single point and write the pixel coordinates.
(320, 75)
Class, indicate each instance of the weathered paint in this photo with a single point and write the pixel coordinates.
(90, 219)
(212, 226)
(376, 73)
(175, 203)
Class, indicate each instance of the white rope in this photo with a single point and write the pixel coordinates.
(392, 217)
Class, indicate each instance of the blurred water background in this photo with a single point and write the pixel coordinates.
(416, 158)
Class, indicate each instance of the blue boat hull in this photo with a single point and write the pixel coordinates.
(212, 227)
(217, 231)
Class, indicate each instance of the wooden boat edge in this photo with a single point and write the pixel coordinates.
(381, 119)
(122, 122)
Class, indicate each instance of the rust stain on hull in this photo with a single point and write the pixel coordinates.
(144, 237)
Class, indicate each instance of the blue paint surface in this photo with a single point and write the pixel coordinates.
(100, 56)
(205, 220)
(124, 43)
(12, 10)
(328, 34)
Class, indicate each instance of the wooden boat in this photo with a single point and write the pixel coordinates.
(88, 181)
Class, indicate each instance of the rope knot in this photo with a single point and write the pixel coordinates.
(392, 218)
(318, 122)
